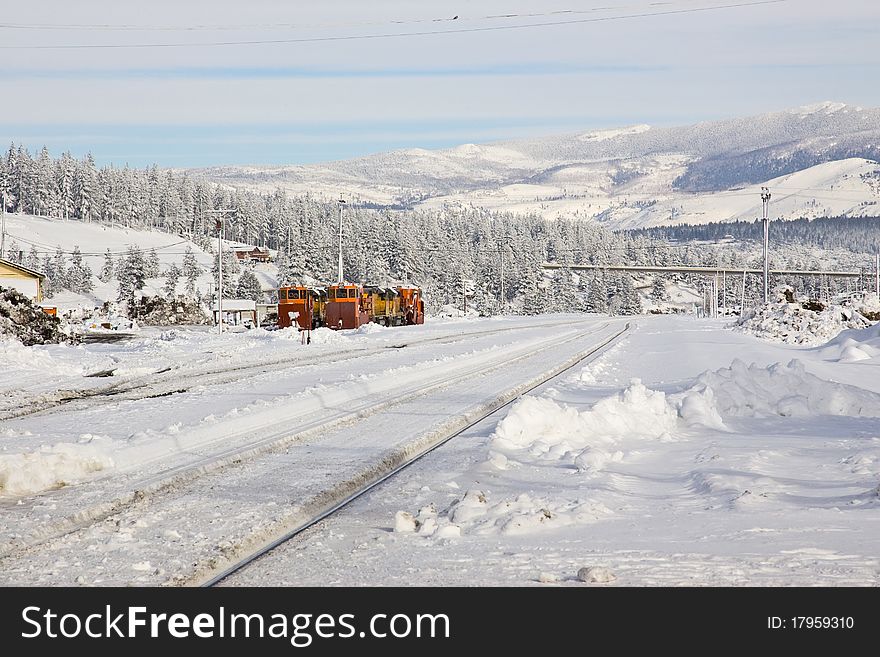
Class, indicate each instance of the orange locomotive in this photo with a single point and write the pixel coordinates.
(301, 305)
(348, 306)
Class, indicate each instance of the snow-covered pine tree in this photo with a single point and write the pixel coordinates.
(191, 270)
(172, 277)
(108, 268)
(249, 287)
(658, 291)
(152, 263)
(59, 270)
(79, 274)
(566, 297)
(14, 253)
(131, 272)
(33, 260)
(230, 268)
(597, 294)
(50, 283)
(624, 298)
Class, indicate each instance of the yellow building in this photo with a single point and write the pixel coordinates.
(21, 278)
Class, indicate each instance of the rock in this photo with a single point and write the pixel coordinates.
(547, 578)
(449, 531)
(404, 522)
(596, 575)
(428, 527)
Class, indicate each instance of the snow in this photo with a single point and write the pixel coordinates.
(854, 345)
(790, 322)
(683, 453)
(622, 177)
(602, 135)
(719, 473)
(61, 464)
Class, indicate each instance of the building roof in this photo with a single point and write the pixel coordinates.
(236, 305)
(22, 268)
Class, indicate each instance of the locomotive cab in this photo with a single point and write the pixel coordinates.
(347, 306)
(301, 306)
(412, 305)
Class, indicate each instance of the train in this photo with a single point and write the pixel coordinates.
(349, 306)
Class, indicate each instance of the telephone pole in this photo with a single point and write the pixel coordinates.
(2, 224)
(341, 205)
(877, 274)
(765, 202)
(219, 225)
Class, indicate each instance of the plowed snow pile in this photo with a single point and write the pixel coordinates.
(53, 467)
(853, 345)
(799, 321)
(539, 431)
(791, 323)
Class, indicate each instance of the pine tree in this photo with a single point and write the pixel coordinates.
(152, 264)
(172, 276)
(50, 284)
(14, 253)
(658, 291)
(191, 271)
(109, 267)
(131, 272)
(33, 260)
(79, 275)
(59, 270)
(597, 295)
(249, 287)
(230, 268)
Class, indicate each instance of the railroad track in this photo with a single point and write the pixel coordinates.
(156, 385)
(394, 463)
(394, 393)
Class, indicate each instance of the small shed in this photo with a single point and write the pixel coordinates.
(238, 312)
(22, 279)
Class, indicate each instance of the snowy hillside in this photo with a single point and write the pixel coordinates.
(632, 176)
(31, 237)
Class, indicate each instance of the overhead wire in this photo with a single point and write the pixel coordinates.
(385, 35)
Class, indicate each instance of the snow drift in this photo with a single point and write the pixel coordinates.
(853, 345)
(539, 429)
(52, 467)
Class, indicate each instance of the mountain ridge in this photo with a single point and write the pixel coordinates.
(583, 173)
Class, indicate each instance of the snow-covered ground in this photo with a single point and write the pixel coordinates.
(683, 453)
(730, 462)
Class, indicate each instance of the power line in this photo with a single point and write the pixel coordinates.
(388, 35)
(325, 25)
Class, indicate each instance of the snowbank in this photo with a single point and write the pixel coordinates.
(52, 467)
(539, 429)
(853, 345)
(799, 322)
(787, 390)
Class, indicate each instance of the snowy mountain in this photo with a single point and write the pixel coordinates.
(632, 176)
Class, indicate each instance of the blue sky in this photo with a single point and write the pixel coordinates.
(143, 90)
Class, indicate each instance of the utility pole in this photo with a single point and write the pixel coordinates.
(724, 291)
(503, 299)
(877, 274)
(220, 224)
(2, 224)
(765, 202)
(742, 303)
(341, 205)
(220, 273)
